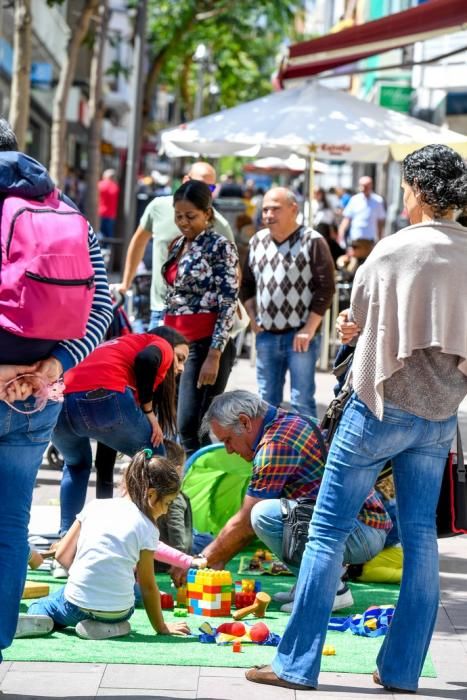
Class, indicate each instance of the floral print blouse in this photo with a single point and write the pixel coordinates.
(206, 282)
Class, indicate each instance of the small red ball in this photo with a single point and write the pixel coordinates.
(238, 629)
(259, 632)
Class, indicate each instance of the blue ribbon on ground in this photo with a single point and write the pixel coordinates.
(374, 622)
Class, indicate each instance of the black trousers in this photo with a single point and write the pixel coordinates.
(193, 402)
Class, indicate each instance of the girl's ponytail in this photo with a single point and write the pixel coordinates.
(146, 471)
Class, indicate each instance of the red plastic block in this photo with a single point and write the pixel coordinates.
(242, 600)
(167, 601)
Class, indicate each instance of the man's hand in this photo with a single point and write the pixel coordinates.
(302, 340)
(209, 369)
(255, 327)
(178, 576)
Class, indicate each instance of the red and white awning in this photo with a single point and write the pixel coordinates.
(326, 53)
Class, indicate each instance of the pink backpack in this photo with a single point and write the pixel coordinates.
(46, 276)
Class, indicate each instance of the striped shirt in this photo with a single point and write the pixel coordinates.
(289, 462)
(71, 352)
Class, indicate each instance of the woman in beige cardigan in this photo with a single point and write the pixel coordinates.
(409, 377)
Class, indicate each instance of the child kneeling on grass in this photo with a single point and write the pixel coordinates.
(107, 540)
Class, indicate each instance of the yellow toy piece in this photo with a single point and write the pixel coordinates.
(329, 650)
(33, 589)
(386, 567)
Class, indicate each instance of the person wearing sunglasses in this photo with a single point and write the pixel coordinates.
(157, 223)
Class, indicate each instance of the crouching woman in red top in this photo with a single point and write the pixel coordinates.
(123, 395)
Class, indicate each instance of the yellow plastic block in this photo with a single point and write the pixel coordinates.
(33, 589)
(329, 650)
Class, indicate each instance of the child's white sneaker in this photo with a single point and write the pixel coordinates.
(58, 571)
(93, 629)
(33, 626)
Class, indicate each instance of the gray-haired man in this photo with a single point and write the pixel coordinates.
(288, 459)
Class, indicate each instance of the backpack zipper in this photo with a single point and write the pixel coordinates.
(87, 281)
(47, 210)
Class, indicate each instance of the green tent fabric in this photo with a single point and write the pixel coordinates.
(215, 482)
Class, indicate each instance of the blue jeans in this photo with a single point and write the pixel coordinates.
(114, 419)
(23, 440)
(193, 402)
(66, 614)
(107, 227)
(157, 318)
(363, 543)
(360, 448)
(274, 356)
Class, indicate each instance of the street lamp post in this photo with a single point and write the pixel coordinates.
(129, 203)
(203, 60)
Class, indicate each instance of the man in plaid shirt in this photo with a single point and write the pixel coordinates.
(288, 458)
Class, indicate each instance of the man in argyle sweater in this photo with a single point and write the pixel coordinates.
(287, 285)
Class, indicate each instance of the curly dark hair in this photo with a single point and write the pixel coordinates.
(145, 472)
(439, 175)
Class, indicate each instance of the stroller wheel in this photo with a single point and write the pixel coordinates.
(54, 458)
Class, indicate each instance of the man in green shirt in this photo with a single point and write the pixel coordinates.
(158, 223)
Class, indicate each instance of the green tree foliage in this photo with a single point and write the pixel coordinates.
(244, 39)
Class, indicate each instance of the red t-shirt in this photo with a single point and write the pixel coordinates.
(111, 365)
(108, 198)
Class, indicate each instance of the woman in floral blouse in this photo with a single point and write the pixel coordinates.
(202, 277)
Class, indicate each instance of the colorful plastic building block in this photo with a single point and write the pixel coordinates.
(237, 646)
(181, 596)
(244, 599)
(180, 612)
(167, 601)
(209, 592)
(248, 585)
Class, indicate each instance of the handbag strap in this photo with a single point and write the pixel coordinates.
(460, 468)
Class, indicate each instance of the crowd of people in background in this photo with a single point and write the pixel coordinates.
(158, 396)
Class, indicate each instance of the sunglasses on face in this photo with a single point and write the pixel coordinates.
(211, 187)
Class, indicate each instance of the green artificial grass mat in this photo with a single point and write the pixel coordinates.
(353, 654)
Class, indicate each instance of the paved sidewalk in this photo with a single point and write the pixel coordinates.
(71, 680)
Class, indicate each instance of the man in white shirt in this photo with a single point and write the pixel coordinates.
(364, 215)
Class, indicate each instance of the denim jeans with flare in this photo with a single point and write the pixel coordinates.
(361, 446)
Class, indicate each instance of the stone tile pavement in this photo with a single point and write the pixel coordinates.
(73, 680)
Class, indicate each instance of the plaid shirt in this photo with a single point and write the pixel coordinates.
(289, 462)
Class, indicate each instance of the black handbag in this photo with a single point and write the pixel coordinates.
(451, 514)
(296, 516)
(335, 409)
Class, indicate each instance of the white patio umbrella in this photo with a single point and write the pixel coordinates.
(291, 164)
(310, 119)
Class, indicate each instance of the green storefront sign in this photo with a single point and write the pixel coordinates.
(397, 97)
